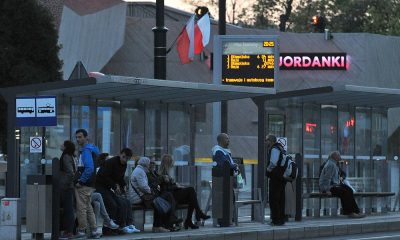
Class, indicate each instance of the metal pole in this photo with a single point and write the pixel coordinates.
(55, 227)
(260, 102)
(160, 42)
(13, 166)
(299, 187)
(222, 31)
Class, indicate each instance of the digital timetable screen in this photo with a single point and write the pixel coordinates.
(249, 63)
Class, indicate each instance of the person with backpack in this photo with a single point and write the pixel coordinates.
(277, 182)
(84, 187)
(330, 182)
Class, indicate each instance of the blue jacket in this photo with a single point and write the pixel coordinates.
(222, 156)
(86, 162)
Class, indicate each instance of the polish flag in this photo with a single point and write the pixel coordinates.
(201, 33)
(193, 38)
(185, 44)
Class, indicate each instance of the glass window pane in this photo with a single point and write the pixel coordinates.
(108, 127)
(346, 138)
(363, 142)
(132, 129)
(83, 114)
(328, 130)
(156, 135)
(179, 132)
(311, 140)
(294, 128)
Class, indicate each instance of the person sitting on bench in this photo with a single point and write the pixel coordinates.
(329, 181)
(182, 195)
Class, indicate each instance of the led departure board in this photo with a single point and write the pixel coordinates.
(249, 63)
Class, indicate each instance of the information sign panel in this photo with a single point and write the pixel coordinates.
(36, 111)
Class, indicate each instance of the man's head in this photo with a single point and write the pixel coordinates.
(81, 137)
(270, 140)
(223, 140)
(125, 155)
(335, 155)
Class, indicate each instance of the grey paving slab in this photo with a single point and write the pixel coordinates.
(311, 232)
(232, 236)
(265, 235)
(325, 230)
(296, 233)
(249, 235)
(368, 228)
(281, 234)
(340, 229)
(354, 228)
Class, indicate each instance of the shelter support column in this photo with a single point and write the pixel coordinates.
(260, 102)
(13, 166)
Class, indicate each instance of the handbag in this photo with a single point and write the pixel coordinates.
(150, 200)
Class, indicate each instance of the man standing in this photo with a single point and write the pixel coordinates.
(222, 154)
(329, 181)
(85, 184)
(110, 182)
(277, 184)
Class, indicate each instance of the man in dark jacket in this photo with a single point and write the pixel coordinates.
(276, 181)
(110, 183)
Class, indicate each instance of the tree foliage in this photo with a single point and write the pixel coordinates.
(28, 47)
(28, 44)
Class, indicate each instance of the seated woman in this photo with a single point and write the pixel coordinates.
(139, 186)
(182, 195)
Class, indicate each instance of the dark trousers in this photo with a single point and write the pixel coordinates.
(188, 196)
(126, 211)
(345, 193)
(165, 220)
(67, 203)
(277, 200)
(116, 208)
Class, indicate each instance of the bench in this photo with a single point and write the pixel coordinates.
(139, 214)
(368, 209)
(239, 203)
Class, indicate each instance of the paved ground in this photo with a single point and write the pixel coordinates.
(322, 228)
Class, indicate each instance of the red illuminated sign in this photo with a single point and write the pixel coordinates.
(350, 123)
(313, 61)
(310, 127)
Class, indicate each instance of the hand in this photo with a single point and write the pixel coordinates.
(118, 190)
(78, 185)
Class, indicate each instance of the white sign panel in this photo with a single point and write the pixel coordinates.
(283, 142)
(26, 107)
(36, 144)
(46, 107)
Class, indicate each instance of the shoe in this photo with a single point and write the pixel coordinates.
(276, 224)
(95, 235)
(133, 228)
(159, 230)
(66, 236)
(110, 232)
(177, 221)
(203, 216)
(111, 224)
(174, 229)
(80, 235)
(189, 224)
(356, 215)
(127, 230)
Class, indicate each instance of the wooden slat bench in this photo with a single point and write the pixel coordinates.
(139, 214)
(357, 195)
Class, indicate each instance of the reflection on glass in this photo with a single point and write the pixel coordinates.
(156, 132)
(363, 142)
(108, 127)
(133, 128)
(179, 132)
(328, 130)
(311, 140)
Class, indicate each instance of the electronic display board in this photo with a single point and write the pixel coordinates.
(251, 62)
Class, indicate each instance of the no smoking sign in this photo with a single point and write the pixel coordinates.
(36, 144)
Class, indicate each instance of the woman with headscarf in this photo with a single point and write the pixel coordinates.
(139, 186)
(182, 195)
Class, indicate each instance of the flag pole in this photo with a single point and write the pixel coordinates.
(173, 43)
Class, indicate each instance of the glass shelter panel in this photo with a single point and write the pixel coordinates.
(156, 130)
(132, 127)
(346, 125)
(363, 144)
(329, 121)
(108, 127)
(380, 164)
(311, 140)
(179, 132)
(83, 112)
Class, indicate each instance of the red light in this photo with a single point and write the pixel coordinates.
(315, 20)
(350, 123)
(310, 127)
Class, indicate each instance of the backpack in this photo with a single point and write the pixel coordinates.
(290, 169)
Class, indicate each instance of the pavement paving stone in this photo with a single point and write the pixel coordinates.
(354, 228)
(233, 236)
(281, 234)
(248, 235)
(296, 233)
(325, 230)
(311, 232)
(368, 228)
(340, 229)
(265, 235)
